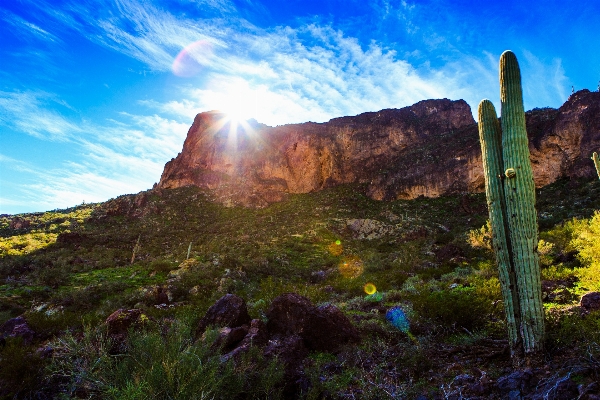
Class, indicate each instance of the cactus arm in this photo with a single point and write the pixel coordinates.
(490, 138)
(596, 163)
(519, 191)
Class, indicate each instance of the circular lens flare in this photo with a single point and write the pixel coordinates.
(351, 267)
(370, 288)
(190, 61)
(336, 248)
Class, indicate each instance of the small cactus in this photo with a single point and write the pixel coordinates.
(510, 193)
(596, 163)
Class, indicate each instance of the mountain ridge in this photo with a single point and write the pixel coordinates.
(428, 149)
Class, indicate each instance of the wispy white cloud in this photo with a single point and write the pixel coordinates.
(29, 113)
(544, 82)
(27, 28)
(114, 157)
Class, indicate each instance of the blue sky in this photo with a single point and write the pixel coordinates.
(95, 96)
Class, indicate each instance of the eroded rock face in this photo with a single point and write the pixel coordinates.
(429, 149)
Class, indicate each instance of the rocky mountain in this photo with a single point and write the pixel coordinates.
(430, 148)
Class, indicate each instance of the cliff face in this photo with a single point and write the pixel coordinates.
(430, 148)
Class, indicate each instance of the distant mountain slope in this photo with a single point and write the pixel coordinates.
(430, 148)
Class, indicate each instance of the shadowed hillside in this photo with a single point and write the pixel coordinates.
(65, 271)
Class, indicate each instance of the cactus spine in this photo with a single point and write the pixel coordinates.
(596, 163)
(510, 192)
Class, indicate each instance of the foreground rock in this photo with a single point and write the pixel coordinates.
(17, 328)
(118, 325)
(229, 311)
(322, 328)
(295, 326)
(590, 301)
(395, 152)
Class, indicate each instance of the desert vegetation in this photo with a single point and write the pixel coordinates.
(64, 272)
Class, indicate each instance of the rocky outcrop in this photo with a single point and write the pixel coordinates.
(429, 149)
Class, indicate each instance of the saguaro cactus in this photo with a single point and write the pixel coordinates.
(596, 163)
(510, 192)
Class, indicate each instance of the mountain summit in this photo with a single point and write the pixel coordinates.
(430, 148)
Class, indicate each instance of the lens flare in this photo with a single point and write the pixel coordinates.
(336, 248)
(397, 318)
(190, 61)
(370, 288)
(351, 267)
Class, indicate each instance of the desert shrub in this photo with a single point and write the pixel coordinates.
(47, 325)
(21, 369)
(53, 277)
(90, 297)
(586, 239)
(162, 362)
(574, 330)
(450, 310)
(482, 237)
(160, 265)
(270, 288)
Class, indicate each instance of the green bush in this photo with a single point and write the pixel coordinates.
(160, 363)
(21, 369)
(161, 265)
(451, 310)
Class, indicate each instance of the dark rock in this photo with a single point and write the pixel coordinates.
(229, 311)
(519, 381)
(17, 327)
(19, 223)
(590, 301)
(45, 352)
(288, 314)
(290, 350)
(257, 334)
(323, 328)
(448, 252)
(463, 379)
(229, 337)
(119, 322)
(564, 389)
(328, 329)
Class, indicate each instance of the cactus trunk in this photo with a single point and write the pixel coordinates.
(510, 192)
(490, 137)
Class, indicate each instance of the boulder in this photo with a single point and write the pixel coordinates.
(119, 322)
(590, 301)
(229, 337)
(323, 328)
(229, 311)
(257, 336)
(288, 314)
(516, 383)
(17, 327)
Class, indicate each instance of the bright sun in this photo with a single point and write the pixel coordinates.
(239, 105)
